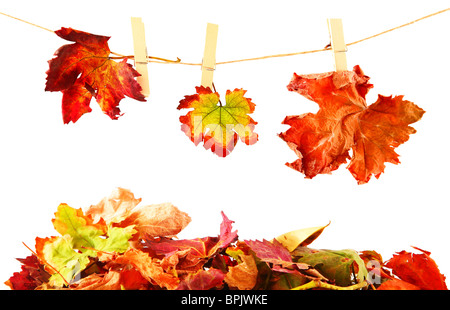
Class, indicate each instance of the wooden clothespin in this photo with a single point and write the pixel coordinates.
(209, 55)
(140, 54)
(338, 46)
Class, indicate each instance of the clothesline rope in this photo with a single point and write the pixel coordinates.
(165, 61)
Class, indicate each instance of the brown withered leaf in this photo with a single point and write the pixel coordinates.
(159, 220)
(115, 207)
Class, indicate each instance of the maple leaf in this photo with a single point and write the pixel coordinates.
(344, 121)
(418, 270)
(65, 261)
(88, 235)
(217, 125)
(30, 277)
(83, 70)
(80, 227)
(81, 239)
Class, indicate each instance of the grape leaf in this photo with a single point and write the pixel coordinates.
(31, 276)
(88, 235)
(217, 125)
(322, 141)
(81, 228)
(338, 265)
(81, 238)
(417, 269)
(83, 70)
(60, 254)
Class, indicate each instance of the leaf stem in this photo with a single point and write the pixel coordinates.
(319, 284)
(214, 88)
(45, 263)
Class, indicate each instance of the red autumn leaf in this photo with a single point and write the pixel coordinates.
(396, 285)
(275, 253)
(217, 125)
(202, 280)
(148, 267)
(226, 236)
(83, 70)
(271, 252)
(31, 276)
(189, 254)
(417, 269)
(322, 141)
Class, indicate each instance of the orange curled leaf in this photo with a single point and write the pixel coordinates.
(83, 70)
(322, 141)
(217, 125)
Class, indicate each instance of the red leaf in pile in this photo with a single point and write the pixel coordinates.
(148, 267)
(192, 253)
(271, 252)
(417, 269)
(396, 284)
(83, 70)
(202, 280)
(31, 276)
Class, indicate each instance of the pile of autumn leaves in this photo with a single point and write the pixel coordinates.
(117, 244)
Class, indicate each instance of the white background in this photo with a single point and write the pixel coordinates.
(44, 162)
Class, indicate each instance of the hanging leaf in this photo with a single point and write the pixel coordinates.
(217, 125)
(84, 69)
(322, 141)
